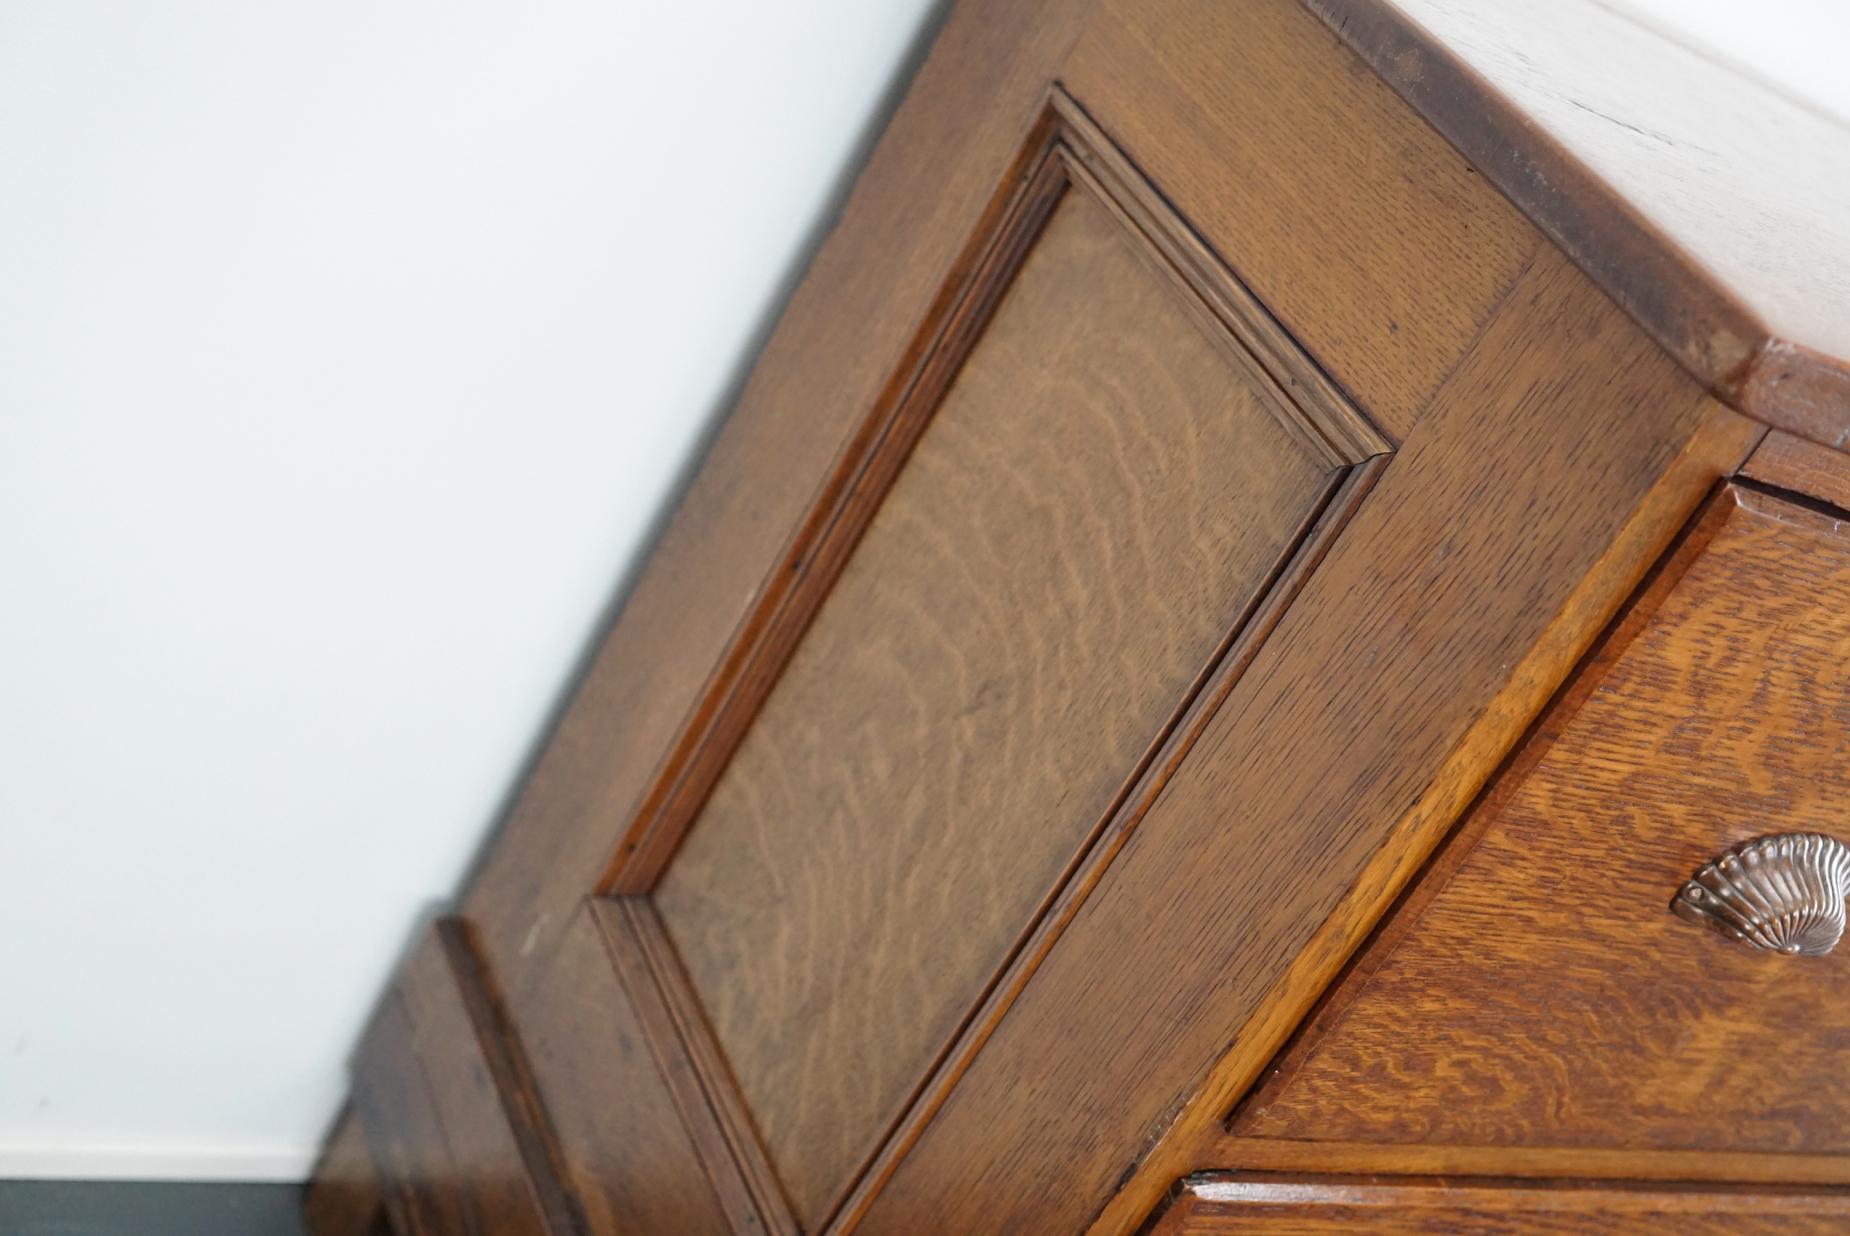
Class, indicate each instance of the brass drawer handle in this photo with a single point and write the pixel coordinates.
(1784, 893)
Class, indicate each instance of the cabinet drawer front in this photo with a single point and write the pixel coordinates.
(1311, 1206)
(1538, 990)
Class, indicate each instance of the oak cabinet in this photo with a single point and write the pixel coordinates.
(1185, 694)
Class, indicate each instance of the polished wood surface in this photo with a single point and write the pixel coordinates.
(1313, 1206)
(1441, 619)
(446, 1104)
(1179, 483)
(1713, 206)
(629, 1154)
(1099, 501)
(909, 230)
(1545, 996)
(1802, 468)
(1256, 121)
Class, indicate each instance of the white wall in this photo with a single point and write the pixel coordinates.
(347, 352)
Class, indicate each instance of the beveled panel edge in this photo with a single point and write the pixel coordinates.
(683, 1034)
(692, 1064)
(1308, 402)
(688, 1053)
(391, 1064)
(806, 571)
(1343, 494)
(1063, 149)
(513, 1077)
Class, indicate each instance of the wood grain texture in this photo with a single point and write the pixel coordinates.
(1263, 1154)
(907, 238)
(1546, 996)
(1786, 462)
(1314, 1206)
(1550, 451)
(1714, 208)
(904, 236)
(1104, 850)
(1444, 615)
(830, 532)
(1097, 503)
(434, 996)
(344, 1198)
(1065, 149)
(712, 1110)
(417, 1174)
(613, 1103)
(445, 1106)
(1355, 223)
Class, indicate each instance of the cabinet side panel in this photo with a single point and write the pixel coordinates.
(628, 1155)
(1099, 498)
(456, 1142)
(1443, 617)
(1367, 235)
(902, 236)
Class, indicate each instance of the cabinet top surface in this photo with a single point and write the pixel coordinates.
(1711, 203)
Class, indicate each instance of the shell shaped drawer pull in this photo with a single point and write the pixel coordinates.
(1783, 893)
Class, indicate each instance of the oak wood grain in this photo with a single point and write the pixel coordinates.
(1064, 149)
(1550, 452)
(712, 1110)
(1360, 229)
(908, 236)
(1714, 207)
(1442, 618)
(447, 1109)
(942, 167)
(1316, 1206)
(611, 1100)
(1546, 995)
(1097, 503)
(1307, 405)
(831, 531)
(1104, 850)
(1785, 462)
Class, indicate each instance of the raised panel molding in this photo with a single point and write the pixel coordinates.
(1101, 370)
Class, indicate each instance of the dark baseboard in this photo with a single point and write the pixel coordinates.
(149, 1208)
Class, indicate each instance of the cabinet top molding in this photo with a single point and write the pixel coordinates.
(1712, 206)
